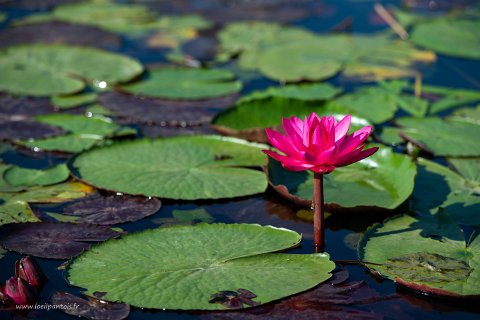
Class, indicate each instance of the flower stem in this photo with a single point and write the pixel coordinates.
(318, 216)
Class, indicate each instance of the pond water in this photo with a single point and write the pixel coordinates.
(384, 300)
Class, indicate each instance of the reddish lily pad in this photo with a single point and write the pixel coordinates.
(91, 308)
(163, 111)
(58, 33)
(52, 240)
(18, 108)
(112, 209)
(27, 129)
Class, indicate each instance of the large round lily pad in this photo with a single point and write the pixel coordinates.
(427, 254)
(189, 168)
(184, 83)
(42, 70)
(192, 267)
(458, 38)
(384, 180)
(442, 137)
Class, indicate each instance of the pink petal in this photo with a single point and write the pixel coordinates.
(352, 141)
(362, 155)
(293, 132)
(341, 129)
(281, 142)
(285, 160)
(322, 158)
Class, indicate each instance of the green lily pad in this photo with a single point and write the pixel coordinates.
(190, 216)
(427, 254)
(458, 38)
(16, 212)
(109, 16)
(265, 113)
(384, 180)
(86, 132)
(456, 193)
(57, 193)
(42, 70)
(372, 103)
(189, 168)
(187, 84)
(442, 137)
(67, 102)
(2, 252)
(4, 185)
(471, 115)
(3, 16)
(307, 92)
(18, 176)
(188, 266)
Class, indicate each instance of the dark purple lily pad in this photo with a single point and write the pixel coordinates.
(227, 11)
(27, 129)
(20, 108)
(56, 32)
(202, 48)
(58, 240)
(112, 209)
(34, 5)
(335, 299)
(91, 308)
(161, 111)
(155, 131)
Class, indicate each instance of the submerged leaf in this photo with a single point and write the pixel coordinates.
(58, 240)
(428, 267)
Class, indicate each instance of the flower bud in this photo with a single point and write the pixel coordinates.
(28, 270)
(19, 291)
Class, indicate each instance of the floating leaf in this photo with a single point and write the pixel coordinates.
(91, 308)
(22, 108)
(372, 103)
(249, 119)
(67, 102)
(4, 185)
(2, 252)
(26, 129)
(42, 70)
(458, 194)
(57, 193)
(307, 92)
(16, 212)
(59, 240)
(55, 32)
(189, 168)
(458, 38)
(442, 137)
(471, 115)
(18, 176)
(183, 83)
(427, 254)
(112, 210)
(165, 112)
(384, 180)
(85, 132)
(188, 264)
(185, 217)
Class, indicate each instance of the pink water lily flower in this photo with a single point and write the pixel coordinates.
(318, 144)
